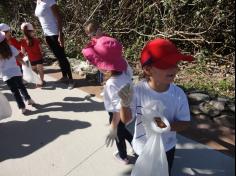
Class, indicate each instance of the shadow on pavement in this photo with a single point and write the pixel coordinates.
(200, 162)
(19, 139)
(75, 105)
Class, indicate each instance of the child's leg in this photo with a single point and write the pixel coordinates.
(170, 158)
(40, 72)
(22, 88)
(121, 145)
(12, 84)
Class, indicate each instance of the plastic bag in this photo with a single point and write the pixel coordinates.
(152, 161)
(28, 74)
(5, 108)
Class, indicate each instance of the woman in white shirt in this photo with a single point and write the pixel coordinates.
(50, 19)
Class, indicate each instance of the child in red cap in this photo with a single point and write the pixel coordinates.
(159, 60)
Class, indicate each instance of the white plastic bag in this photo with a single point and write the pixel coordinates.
(5, 108)
(152, 161)
(28, 74)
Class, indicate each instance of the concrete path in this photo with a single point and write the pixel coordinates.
(65, 135)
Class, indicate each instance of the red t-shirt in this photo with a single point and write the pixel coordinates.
(34, 52)
(12, 41)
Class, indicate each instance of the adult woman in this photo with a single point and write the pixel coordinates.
(49, 16)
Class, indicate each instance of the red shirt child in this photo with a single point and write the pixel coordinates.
(34, 52)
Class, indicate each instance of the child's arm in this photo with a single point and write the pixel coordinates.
(175, 126)
(20, 60)
(125, 114)
(126, 95)
(23, 50)
(112, 135)
(179, 126)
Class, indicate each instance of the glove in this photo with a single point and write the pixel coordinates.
(126, 95)
(111, 137)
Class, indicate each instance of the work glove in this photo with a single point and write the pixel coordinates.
(111, 137)
(126, 95)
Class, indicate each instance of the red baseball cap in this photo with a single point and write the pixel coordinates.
(163, 54)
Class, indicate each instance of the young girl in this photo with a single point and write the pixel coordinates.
(93, 30)
(159, 60)
(30, 45)
(106, 55)
(11, 74)
(11, 40)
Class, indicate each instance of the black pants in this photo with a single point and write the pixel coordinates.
(17, 88)
(59, 53)
(123, 134)
(170, 158)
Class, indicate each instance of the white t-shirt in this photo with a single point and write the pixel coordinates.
(113, 85)
(48, 21)
(8, 67)
(176, 109)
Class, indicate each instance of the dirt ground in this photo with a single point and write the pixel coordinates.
(203, 130)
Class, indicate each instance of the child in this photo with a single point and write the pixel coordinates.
(159, 60)
(31, 46)
(11, 73)
(106, 55)
(11, 40)
(93, 30)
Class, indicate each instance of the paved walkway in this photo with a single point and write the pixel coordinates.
(65, 136)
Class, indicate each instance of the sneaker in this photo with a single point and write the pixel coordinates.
(30, 102)
(71, 85)
(118, 158)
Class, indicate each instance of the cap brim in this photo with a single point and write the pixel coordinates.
(172, 61)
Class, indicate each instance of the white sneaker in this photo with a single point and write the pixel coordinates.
(118, 158)
(30, 102)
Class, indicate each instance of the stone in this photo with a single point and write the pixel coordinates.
(231, 106)
(208, 109)
(194, 109)
(198, 97)
(218, 105)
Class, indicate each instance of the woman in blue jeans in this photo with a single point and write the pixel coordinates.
(50, 19)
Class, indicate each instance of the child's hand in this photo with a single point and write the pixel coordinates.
(111, 137)
(159, 122)
(126, 95)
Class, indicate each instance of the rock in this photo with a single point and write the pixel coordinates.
(208, 109)
(194, 109)
(198, 97)
(227, 120)
(231, 106)
(218, 105)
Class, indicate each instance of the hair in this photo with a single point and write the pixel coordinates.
(145, 75)
(5, 50)
(91, 27)
(29, 38)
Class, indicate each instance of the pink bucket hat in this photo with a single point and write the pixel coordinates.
(106, 54)
(2, 36)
